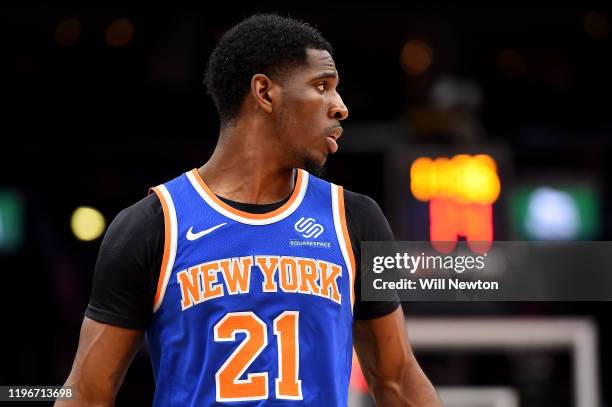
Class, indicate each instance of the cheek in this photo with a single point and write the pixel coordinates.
(313, 116)
(300, 116)
(301, 120)
(308, 103)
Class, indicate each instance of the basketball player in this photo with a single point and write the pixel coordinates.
(243, 274)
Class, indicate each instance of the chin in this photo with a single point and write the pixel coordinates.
(315, 166)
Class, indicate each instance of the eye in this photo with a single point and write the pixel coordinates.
(321, 87)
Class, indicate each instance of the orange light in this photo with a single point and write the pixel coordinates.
(416, 57)
(421, 178)
(119, 33)
(464, 178)
(449, 219)
(461, 192)
(477, 181)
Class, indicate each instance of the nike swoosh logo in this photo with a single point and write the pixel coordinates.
(193, 236)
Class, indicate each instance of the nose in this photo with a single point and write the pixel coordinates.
(338, 109)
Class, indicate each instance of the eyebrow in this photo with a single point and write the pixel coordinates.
(327, 74)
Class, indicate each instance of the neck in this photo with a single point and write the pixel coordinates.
(248, 165)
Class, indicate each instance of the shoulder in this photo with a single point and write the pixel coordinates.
(359, 203)
(126, 269)
(143, 219)
(353, 201)
(145, 208)
(365, 218)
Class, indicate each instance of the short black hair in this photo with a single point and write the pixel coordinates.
(263, 43)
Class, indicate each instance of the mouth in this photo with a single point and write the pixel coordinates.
(331, 138)
(335, 133)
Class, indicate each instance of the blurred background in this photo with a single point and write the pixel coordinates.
(511, 103)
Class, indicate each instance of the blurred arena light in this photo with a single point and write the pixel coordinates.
(461, 192)
(552, 214)
(416, 57)
(120, 33)
(596, 25)
(451, 92)
(511, 63)
(556, 211)
(87, 223)
(68, 31)
(464, 178)
(11, 221)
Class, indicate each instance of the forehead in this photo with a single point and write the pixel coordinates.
(318, 62)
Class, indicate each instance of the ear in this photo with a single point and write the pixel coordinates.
(264, 91)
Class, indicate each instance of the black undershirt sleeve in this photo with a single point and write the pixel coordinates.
(366, 222)
(127, 270)
(129, 261)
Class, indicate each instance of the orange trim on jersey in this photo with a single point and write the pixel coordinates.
(347, 239)
(253, 216)
(167, 243)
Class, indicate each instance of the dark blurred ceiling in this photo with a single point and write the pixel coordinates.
(152, 86)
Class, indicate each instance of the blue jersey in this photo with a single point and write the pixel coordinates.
(253, 309)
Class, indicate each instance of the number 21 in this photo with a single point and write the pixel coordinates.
(255, 387)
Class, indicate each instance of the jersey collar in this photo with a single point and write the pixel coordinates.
(301, 183)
